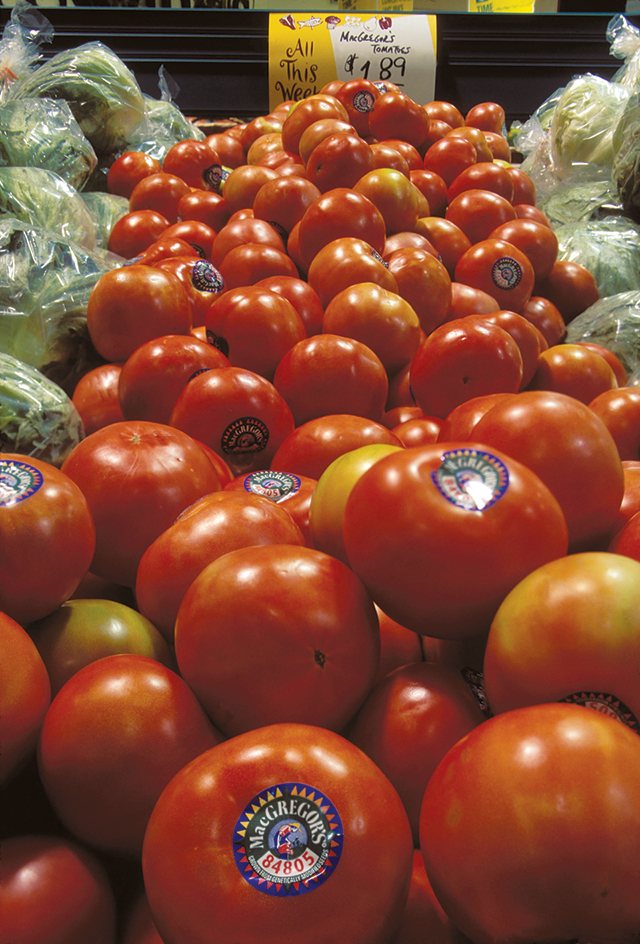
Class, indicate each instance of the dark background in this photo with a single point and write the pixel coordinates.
(219, 57)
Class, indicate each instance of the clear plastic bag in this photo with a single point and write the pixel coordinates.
(22, 36)
(106, 209)
(609, 248)
(613, 322)
(37, 418)
(164, 123)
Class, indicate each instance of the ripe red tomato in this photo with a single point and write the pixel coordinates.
(500, 269)
(138, 925)
(344, 262)
(302, 296)
(48, 537)
(257, 128)
(449, 156)
(479, 212)
(408, 723)
(612, 359)
(499, 146)
(339, 160)
(551, 772)
(524, 334)
(448, 240)
(536, 240)
(198, 234)
(440, 110)
(326, 793)
(237, 413)
(542, 313)
(423, 915)
(216, 524)
(292, 492)
(84, 630)
(411, 155)
(398, 645)
(563, 441)
(396, 115)
(359, 97)
(571, 288)
(524, 189)
(316, 132)
(243, 183)
(463, 359)
(195, 162)
(310, 448)
(133, 304)
(255, 327)
(488, 116)
(329, 374)
(95, 397)
(202, 281)
(282, 202)
(161, 192)
(128, 169)
(460, 422)
(239, 232)
(204, 205)
(164, 248)
(145, 725)
(251, 262)
(424, 555)
(152, 378)
(407, 240)
(322, 631)
(382, 320)
(54, 890)
(336, 214)
(424, 283)
(393, 194)
(619, 410)
(574, 370)
(418, 431)
(433, 187)
(136, 477)
(136, 231)
(305, 113)
(25, 695)
(485, 176)
(467, 300)
(228, 148)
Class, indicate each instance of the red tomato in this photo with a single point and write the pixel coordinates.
(237, 413)
(400, 414)
(619, 410)
(95, 397)
(406, 240)
(136, 231)
(145, 725)
(393, 194)
(500, 269)
(456, 526)
(311, 448)
(252, 262)
(48, 537)
(305, 113)
(545, 316)
(202, 281)
(385, 155)
(537, 241)
(243, 183)
(128, 169)
(25, 695)
(524, 189)
(242, 231)
(382, 320)
(153, 377)
(631, 500)
(411, 155)
(302, 296)
(554, 772)
(563, 441)
(255, 327)
(488, 116)
(398, 645)
(485, 176)
(418, 431)
(264, 145)
(574, 370)
(85, 630)
(228, 148)
(423, 915)
(322, 631)
(463, 359)
(316, 132)
(345, 262)
(54, 890)
(257, 128)
(448, 239)
(134, 304)
(479, 212)
(337, 214)
(466, 300)
(424, 283)
(524, 334)
(136, 477)
(282, 202)
(204, 205)
(216, 524)
(138, 927)
(571, 288)
(292, 492)
(408, 723)
(320, 780)
(612, 359)
(339, 160)
(444, 111)
(396, 115)
(195, 162)
(461, 421)
(161, 192)
(527, 211)
(198, 234)
(329, 374)
(359, 97)
(449, 156)
(164, 248)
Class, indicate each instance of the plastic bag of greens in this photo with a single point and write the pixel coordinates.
(23, 34)
(42, 198)
(624, 40)
(164, 123)
(613, 322)
(102, 92)
(577, 200)
(37, 418)
(42, 132)
(609, 248)
(106, 209)
(45, 284)
(626, 157)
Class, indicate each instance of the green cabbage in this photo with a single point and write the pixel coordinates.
(609, 248)
(42, 198)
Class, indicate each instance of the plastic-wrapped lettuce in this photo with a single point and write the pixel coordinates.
(579, 200)
(613, 322)
(42, 198)
(609, 248)
(41, 132)
(45, 284)
(103, 93)
(163, 127)
(626, 157)
(106, 209)
(37, 418)
(584, 121)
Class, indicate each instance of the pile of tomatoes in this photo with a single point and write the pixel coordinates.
(329, 628)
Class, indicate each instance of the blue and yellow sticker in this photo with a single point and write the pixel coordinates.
(471, 478)
(275, 486)
(18, 481)
(288, 840)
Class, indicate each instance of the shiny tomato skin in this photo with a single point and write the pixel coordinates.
(282, 202)
(396, 115)
(316, 132)
(563, 441)
(202, 281)
(161, 192)
(238, 232)
(339, 160)
(215, 525)
(574, 370)
(423, 915)
(424, 282)
(619, 409)
(448, 239)
(25, 696)
(449, 156)
(556, 775)
(294, 497)
(612, 359)
(525, 336)
(483, 176)
(195, 162)
(145, 724)
(252, 262)
(467, 300)
(359, 97)
(394, 195)
(336, 214)
(418, 431)
(536, 240)
(136, 231)
(95, 397)
(48, 537)
(309, 449)
(206, 206)
(441, 110)
(542, 313)
(243, 183)
(425, 557)
(500, 269)
(191, 895)
(128, 169)
(302, 296)
(215, 407)
(305, 113)
(198, 234)
(344, 262)
(321, 631)
(433, 187)
(136, 477)
(570, 286)
(524, 189)
(228, 148)
(54, 890)
(459, 423)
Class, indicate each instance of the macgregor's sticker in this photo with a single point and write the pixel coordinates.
(245, 435)
(18, 480)
(506, 273)
(471, 478)
(273, 485)
(606, 705)
(206, 278)
(288, 840)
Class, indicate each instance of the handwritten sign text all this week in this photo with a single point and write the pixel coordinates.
(306, 52)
